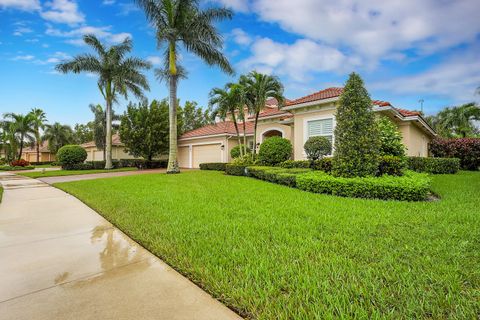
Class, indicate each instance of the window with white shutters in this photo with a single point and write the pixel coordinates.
(323, 127)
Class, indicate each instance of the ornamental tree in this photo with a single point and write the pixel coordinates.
(144, 129)
(390, 138)
(317, 147)
(357, 142)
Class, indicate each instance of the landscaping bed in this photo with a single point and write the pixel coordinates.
(271, 252)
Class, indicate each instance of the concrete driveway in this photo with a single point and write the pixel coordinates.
(61, 260)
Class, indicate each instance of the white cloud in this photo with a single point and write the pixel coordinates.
(455, 78)
(376, 28)
(32, 40)
(237, 5)
(127, 8)
(63, 11)
(298, 61)
(24, 58)
(241, 37)
(155, 60)
(108, 2)
(20, 31)
(26, 5)
(76, 34)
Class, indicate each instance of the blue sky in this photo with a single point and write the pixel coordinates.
(405, 50)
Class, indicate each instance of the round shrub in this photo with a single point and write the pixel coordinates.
(390, 138)
(20, 163)
(317, 147)
(71, 154)
(235, 152)
(274, 150)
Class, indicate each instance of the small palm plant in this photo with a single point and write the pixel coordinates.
(116, 75)
(22, 128)
(228, 102)
(258, 89)
(183, 22)
(57, 135)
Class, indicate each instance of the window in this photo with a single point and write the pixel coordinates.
(323, 127)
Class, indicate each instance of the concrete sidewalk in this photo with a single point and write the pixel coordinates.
(61, 260)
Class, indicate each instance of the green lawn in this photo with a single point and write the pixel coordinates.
(56, 173)
(272, 252)
(1, 193)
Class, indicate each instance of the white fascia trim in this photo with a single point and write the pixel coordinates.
(311, 103)
(274, 116)
(212, 136)
(409, 118)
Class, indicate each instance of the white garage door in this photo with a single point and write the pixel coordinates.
(206, 153)
(183, 157)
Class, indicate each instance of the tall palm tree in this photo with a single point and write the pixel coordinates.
(184, 23)
(39, 120)
(116, 75)
(22, 126)
(258, 89)
(57, 135)
(224, 101)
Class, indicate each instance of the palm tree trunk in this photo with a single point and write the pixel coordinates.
(172, 114)
(238, 133)
(38, 147)
(108, 136)
(21, 147)
(172, 153)
(244, 138)
(255, 133)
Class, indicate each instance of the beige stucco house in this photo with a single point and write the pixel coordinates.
(299, 119)
(118, 150)
(30, 153)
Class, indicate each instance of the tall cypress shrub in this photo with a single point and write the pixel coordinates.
(357, 143)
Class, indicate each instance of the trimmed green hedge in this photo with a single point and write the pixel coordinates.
(235, 170)
(324, 164)
(12, 168)
(78, 166)
(410, 187)
(391, 165)
(217, 166)
(287, 177)
(131, 163)
(434, 165)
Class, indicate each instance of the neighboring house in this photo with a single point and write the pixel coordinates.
(30, 153)
(299, 119)
(118, 150)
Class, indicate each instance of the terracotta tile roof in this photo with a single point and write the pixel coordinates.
(271, 111)
(226, 127)
(408, 113)
(336, 92)
(33, 148)
(115, 142)
(319, 95)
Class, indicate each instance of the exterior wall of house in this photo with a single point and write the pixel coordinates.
(192, 152)
(415, 139)
(118, 152)
(269, 125)
(44, 156)
(301, 119)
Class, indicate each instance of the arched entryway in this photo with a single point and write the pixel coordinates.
(271, 133)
